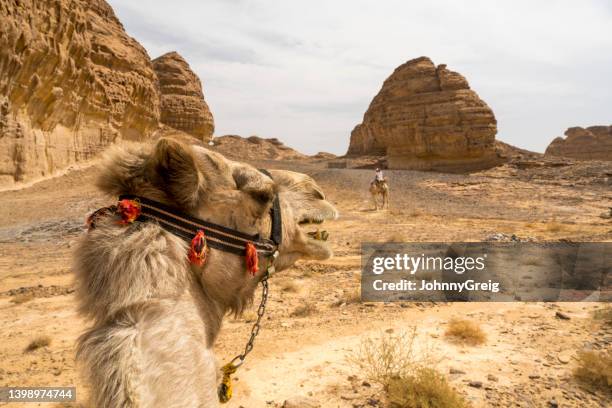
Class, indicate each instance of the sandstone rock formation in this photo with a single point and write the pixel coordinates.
(254, 148)
(182, 101)
(71, 82)
(509, 152)
(427, 118)
(591, 143)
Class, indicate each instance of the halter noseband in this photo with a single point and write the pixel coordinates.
(135, 208)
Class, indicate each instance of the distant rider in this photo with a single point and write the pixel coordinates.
(379, 177)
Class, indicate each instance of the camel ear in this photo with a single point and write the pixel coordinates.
(175, 171)
(255, 184)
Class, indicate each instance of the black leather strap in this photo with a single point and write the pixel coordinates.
(185, 226)
(275, 213)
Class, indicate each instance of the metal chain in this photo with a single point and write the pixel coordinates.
(260, 312)
(239, 359)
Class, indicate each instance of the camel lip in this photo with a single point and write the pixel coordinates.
(317, 219)
(318, 235)
(308, 221)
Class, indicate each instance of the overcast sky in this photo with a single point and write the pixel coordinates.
(306, 71)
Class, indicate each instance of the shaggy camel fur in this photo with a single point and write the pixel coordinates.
(382, 189)
(155, 316)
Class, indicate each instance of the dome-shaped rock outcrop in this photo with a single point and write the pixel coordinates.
(427, 118)
(182, 101)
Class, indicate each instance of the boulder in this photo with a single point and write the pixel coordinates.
(71, 82)
(182, 101)
(591, 143)
(427, 118)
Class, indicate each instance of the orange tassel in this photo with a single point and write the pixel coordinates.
(252, 260)
(197, 251)
(129, 210)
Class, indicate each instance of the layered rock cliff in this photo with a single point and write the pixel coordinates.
(71, 82)
(591, 143)
(427, 118)
(182, 101)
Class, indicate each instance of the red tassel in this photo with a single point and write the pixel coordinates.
(252, 260)
(129, 210)
(197, 252)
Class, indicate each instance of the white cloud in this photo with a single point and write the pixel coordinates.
(306, 71)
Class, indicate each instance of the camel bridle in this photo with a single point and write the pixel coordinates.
(134, 208)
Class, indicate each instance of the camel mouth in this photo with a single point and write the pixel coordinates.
(312, 220)
(317, 234)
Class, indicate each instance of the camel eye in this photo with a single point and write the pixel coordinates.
(262, 196)
(318, 194)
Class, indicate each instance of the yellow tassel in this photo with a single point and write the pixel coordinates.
(225, 388)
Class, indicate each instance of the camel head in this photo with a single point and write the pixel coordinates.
(208, 186)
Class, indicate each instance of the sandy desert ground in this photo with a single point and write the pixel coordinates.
(526, 362)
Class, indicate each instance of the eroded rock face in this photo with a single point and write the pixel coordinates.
(71, 82)
(182, 101)
(591, 143)
(427, 118)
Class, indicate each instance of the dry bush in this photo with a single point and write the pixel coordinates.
(465, 332)
(396, 236)
(604, 315)
(349, 297)
(304, 310)
(308, 273)
(532, 261)
(38, 342)
(427, 276)
(594, 370)
(554, 226)
(289, 286)
(22, 298)
(425, 388)
(416, 213)
(390, 356)
(249, 315)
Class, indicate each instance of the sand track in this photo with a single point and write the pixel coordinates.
(307, 355)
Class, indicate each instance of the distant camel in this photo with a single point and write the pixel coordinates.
(380, 188)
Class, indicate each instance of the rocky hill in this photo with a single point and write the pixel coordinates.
(72, 81)
(507, 151)
(591, 143)
(254, 148)
(182, 101)
(427, 118)
(247, 149)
